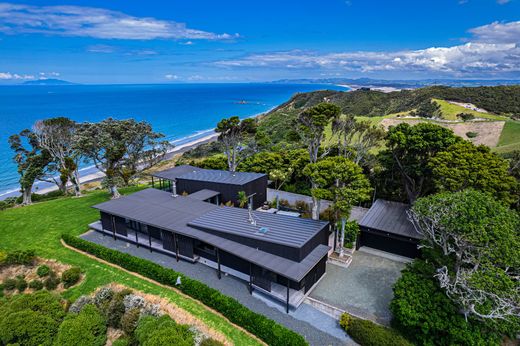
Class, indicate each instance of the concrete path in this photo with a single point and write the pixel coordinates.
(318, 328)
(363, 289)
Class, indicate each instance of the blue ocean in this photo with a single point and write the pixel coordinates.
(182, 112)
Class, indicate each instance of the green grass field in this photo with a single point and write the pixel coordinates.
(510, 138)
(449, 111)
(40, 226)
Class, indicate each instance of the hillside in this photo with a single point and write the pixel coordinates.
(494, 109)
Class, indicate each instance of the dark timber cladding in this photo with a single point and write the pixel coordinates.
(386, 227)
(161, 210)
(191, 179)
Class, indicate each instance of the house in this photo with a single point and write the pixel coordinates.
(225, 185)
(386, 227)
(281, 256)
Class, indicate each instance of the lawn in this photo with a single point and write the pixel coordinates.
(40, 226)
(510, 137)
(450, 111)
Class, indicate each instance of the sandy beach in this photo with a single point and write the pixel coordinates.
(96, 176)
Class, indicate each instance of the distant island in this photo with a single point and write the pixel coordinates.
(49, 81)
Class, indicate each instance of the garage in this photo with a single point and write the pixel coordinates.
(386, 227)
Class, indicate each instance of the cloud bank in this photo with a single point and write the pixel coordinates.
(95, 22)
(493, 50)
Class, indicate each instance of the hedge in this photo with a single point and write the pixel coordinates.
(264, 328)
(367, 333)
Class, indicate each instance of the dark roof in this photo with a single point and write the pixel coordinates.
(160, 209)
(204, 194)
(390, 217)
(223, 177)
(175, 172)
(274, 228)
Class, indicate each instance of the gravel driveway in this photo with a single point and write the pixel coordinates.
(363, 289)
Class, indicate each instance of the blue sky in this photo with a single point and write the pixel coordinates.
(238, 41)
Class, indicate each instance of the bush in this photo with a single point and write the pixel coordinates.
(122, 341)
(25, 257)
(10, 284)
(21, 284)
(345, 320)
(351, 233)
(79, 304)
(43, 270)
(158, 331)
(71, 276)
(87, 328)
(211, 342)
(264, 328)
(36, 285)
(471, 134)
(116, 308)
(51, 282)
(465, 116)
(30, 319)
(129, 320)
(367, 333)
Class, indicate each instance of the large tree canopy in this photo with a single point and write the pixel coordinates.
(464, 165)
(237, 139)
(410, 149)
(476, 250)
(33, 162)
(120, 148)
(56, 135)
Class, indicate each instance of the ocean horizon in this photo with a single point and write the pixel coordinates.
(182, 112)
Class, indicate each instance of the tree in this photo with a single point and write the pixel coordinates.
(56, 135)
(33, 162)
(427, 109)
(464, 165)
(342, 181)
(312, 123)
(263, 162)
(476, 249)
(280, 177)
(514, 170)
(410, 149)
(235, 136)
(356, 138)
(120, 149)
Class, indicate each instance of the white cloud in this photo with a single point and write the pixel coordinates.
(15, 76)
(494, 50)
(171, 76)
(95, 22)
(498, 32)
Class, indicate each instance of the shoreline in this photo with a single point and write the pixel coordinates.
(96, 176)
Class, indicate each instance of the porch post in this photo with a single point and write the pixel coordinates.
(113, 227)
(287, 303)
(250, 279)
(176, 240)
(150, 240)
(153, 182)
(218, 264)
(136, 239)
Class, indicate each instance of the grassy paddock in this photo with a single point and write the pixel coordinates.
(40, 226)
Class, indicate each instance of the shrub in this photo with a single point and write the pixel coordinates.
(25, 257)
(10, 284)
(158, 331)
(87, 328)
(471, 134)
(103, 296)
(21, 284)
(51, 282)
(122, 341)
(129, 320)
(465, 116)
(351, 233)
(344, 320)
(43, 270)
(71, 276)
(211, 342)
(264, 328)
(116, 308)
(30, 319)
(79, 304)
(367, 333)
(36, 285)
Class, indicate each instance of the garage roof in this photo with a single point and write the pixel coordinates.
(175, 172)
(390, 217)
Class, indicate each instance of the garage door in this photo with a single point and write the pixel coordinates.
(392, 245)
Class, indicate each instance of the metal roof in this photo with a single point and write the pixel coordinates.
(160, 209)
(203, 194)
(175, 172)
(274, 228)
(390, 217)
(223, 177)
